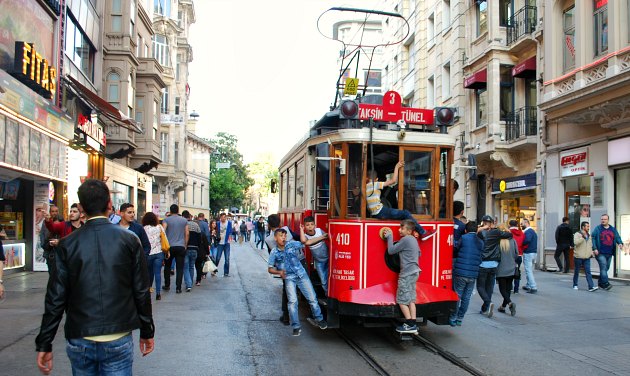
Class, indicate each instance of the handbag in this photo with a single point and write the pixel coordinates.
(209, 267)
(517, 274)
(164, 241)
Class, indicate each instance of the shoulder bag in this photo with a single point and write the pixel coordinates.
(164, 241)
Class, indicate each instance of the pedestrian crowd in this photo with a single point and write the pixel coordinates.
(488, 254)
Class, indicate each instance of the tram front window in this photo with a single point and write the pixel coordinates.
(417, 182)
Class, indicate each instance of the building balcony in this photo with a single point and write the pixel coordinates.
(521, 128)
(521, 28)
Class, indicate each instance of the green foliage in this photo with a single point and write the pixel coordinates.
(227, 185)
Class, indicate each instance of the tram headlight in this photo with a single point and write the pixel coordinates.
(349, 109)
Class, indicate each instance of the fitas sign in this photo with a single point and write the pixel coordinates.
(34, 70)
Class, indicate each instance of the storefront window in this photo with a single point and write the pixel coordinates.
(578, 201)
(622, 221)
(600, 22)
(121, 194)
(568, 49)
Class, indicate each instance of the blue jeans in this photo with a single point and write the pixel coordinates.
(304, 283)
(155, 270)
(485, 286)
(224, 248)
(517, 282)
(528, 265)
(322, 272)
(604, 264)
(189, 266)
(89, 358)
(213, 252)
(389, 213)
(577, 263)
(464, 288)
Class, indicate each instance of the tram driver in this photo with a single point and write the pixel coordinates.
(378, 210)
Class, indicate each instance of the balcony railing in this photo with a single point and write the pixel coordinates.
(523, 22)
(521, 123)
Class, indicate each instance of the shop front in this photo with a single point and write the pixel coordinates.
(515, 198)
(619, 161)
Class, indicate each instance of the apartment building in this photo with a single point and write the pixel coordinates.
(586, 135)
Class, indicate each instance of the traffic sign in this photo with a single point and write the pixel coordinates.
(392, 111)
(351, 86)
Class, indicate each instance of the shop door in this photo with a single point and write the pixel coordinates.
(578, 206)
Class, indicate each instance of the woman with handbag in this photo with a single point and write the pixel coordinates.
(506, 271)
(215, 237)
(156, 256)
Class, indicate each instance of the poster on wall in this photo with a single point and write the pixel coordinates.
(11, 142)
(23, 146)
(40, 205)
(14, 255)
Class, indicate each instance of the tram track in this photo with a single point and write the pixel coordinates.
(376, 366)
(447, 355)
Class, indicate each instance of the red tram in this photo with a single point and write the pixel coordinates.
(324, 176)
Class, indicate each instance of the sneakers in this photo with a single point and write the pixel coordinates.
(575, 287)
(501, 309)
(458, 322)
(178, 291)
(198, 284)
(166, 288)
(515, 292)
(320, 324)
(226, 275)
(490, 310)
(158, 297)
(608, 287)
(512, 307)
(406, 328)
(297, 332)
(526, 288)
(284, 319)
(594, 288)
(452, 323)
(188, 289)
(532, 291)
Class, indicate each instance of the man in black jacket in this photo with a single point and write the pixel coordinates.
(564, 242)
(102, 284)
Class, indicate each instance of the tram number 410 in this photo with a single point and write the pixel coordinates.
(343, 239)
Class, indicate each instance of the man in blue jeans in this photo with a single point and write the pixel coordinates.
(194, 241)
(224, 228)
(99, 340)
(285, 262)
(530, 249)
(466, 270)
(605, 238)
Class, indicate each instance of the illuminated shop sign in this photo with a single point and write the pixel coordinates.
(33, 70)
(92, 129)
(574, 162)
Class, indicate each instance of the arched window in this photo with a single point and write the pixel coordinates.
(568, 36)
(113, 89)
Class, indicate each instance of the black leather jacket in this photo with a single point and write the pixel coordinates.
(102, 284)
(491, 243)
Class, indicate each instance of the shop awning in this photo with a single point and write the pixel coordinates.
(477, 80)
(101, 106)
(525, 69)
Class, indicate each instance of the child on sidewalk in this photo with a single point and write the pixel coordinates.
(284, 261)
(315, 239)
(409, 252)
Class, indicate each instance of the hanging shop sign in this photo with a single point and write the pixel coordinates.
(94, 131)
(574, 162)
(33, 70)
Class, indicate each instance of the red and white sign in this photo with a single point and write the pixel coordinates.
(392, 111)
(574, 162)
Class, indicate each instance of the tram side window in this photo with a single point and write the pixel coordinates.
(291, 187)
(336, 207)
(354, 172)
(445, 201)
(283, 190)
(299, 184)
(417, 182)
(322, 179)
(384, 161)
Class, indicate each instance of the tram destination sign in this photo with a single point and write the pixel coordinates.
(392, 111)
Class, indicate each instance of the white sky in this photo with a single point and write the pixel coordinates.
(262, 71)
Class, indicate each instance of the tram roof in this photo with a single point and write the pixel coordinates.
(379, 136)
